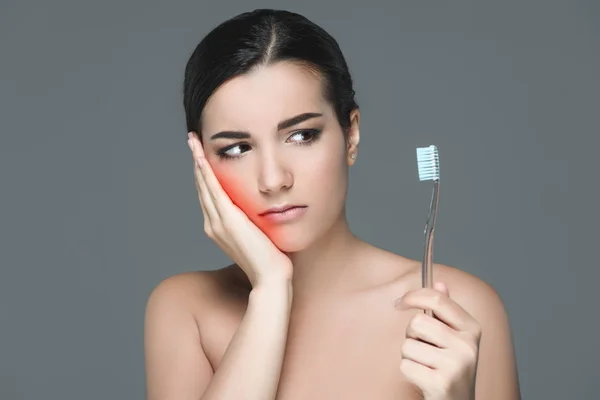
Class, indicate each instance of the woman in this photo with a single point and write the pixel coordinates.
(307, 310)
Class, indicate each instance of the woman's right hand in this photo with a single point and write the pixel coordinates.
(232, 230)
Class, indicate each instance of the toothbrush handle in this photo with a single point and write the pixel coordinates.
(427, 267)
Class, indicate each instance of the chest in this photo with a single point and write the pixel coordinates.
(350, 351)
(345, 353)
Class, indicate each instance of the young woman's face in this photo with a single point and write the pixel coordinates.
(273, 141)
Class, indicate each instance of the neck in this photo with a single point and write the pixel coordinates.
(324, 266)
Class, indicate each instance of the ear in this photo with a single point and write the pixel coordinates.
(353, 137)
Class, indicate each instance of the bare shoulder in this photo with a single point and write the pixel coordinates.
(182, 312)
(183, 289)
(403, 274)
(197, 292)
(497, 376)
(475, 295)
(478, 297)
(176, 305)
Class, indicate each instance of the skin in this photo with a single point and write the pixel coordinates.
(356, 325)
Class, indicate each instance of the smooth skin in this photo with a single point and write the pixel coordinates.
(311, 311)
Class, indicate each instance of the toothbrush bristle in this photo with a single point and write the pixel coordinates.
(429, 163)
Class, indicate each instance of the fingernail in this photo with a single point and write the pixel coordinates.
(200, 162)
(190, 145)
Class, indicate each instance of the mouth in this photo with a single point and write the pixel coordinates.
(280, 209)
(284, 213)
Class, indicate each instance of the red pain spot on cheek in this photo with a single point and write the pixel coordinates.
(233, 186)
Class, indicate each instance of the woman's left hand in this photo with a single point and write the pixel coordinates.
(440, 353)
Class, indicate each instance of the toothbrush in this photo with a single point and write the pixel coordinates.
(429, 170)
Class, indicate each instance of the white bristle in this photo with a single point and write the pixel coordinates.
(429, 163)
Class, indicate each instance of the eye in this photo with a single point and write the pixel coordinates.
(233, 151)
(305, 136)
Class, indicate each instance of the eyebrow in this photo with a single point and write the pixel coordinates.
(288, 123)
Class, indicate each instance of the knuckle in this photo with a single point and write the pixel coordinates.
(419, 319)
(226, 220)
(406, 346)
(227, 223)
(403, 349)
(218, 230)
(405, 366)
(470, 352)
(439, 299)
(415, 319)
(473, 335)
(227, 230)
(208, 229)
(410, 331)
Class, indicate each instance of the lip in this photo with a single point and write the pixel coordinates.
(280, 208)
(284, 213)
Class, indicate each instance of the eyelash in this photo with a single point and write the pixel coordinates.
(314, 134)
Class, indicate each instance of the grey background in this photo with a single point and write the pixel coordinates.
(98, 203)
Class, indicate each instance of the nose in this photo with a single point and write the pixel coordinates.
(274, 176)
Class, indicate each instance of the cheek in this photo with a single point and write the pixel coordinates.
(233, 185)
(236, 187)
(329, 181)
(328, 169)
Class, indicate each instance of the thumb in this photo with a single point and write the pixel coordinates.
(441, 287)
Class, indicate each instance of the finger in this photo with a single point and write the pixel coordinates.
(206, 201)
(430, 330)
(444, 308)
(418, 374)
(205, 213)
(422, 353)
(212, 183)
(206, 198)
(198, 156)
(441, 287)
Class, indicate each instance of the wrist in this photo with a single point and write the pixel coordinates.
(273, 286)
(272, 290)
(277, 277)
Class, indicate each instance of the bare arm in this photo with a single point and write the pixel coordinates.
(177, 367)
(465, 351)
(252, 363)
(497, 377)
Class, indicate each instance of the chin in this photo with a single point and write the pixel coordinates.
(290, 240)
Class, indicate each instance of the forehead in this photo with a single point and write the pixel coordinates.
(263, 97)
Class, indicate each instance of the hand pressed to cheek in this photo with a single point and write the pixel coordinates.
(238, 188)
(226, 180)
